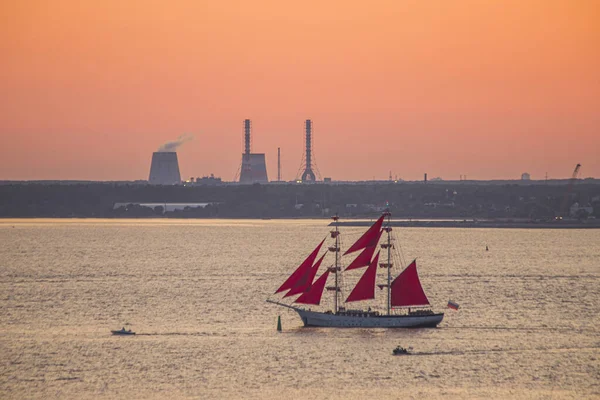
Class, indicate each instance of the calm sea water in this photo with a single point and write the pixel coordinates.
(528, 326)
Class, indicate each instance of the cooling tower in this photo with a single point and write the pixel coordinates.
(254, 168)
(164, 169)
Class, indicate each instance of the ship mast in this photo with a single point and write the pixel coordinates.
(388, 264)
(336, 289)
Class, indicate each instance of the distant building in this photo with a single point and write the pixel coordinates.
(208, 180)
(525, 176)
(373, 207)
(576, 208)
(166, 207)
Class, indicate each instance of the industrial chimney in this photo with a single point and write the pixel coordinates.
(164, 169)
(254, 165)
(308, 175)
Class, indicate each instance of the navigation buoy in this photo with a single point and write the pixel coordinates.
(279, 323)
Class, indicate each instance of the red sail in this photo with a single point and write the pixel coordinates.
(365, 288)
(301, 270)
(364, 258)
(314, 293)
(305, 280)
(407, 290)
(369, 238)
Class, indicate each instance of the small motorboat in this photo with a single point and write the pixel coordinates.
(398, 351)
(123, 331)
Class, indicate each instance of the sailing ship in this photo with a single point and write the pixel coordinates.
(406, 304)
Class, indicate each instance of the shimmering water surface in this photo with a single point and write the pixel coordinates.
(528, 327)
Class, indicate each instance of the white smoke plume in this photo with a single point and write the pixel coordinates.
(173, 145)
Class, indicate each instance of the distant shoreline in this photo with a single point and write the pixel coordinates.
(590, 224)
(361, 222)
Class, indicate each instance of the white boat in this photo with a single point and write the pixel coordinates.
(123, 331)
(400, 351)
(406, 305)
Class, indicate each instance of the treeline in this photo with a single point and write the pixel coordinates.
(405, 200)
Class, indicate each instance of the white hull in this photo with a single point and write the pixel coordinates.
(314, 318)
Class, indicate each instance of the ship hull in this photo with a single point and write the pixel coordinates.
(319, 319)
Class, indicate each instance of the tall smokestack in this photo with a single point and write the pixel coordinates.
(308, 174)
(247, 138)
(164, 169)
(254, 166)
(279, 164)
(308, 143)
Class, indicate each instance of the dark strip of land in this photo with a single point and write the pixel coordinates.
(534, 205)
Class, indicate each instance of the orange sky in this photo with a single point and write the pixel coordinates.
(488, 89)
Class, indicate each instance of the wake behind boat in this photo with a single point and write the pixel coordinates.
(404, 293)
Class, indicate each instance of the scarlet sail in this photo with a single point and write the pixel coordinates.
(364, 258)
(301, 270)
(314, 293)
(365, 288)
(369, 238)
(305, 280)
(407, 290)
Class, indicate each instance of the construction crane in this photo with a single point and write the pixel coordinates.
(563, 206)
